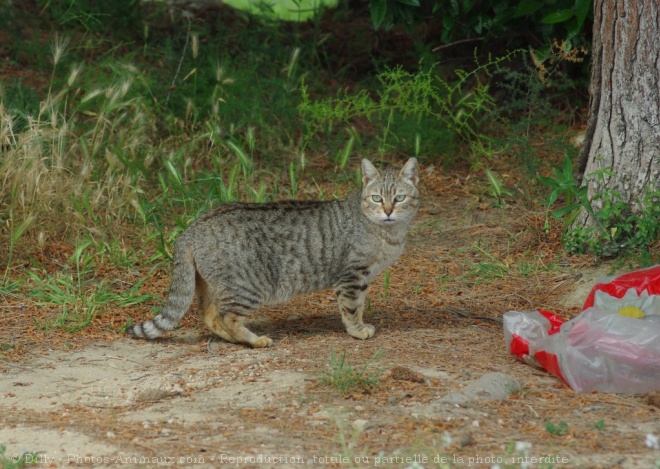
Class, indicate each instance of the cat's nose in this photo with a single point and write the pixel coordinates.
(388, 210)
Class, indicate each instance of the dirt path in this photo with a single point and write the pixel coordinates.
(449, 394)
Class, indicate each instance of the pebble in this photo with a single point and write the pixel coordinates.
(360, 424)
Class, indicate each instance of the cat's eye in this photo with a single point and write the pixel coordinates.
(376, 198)
(400, 198)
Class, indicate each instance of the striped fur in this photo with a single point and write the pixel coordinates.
(241, 256)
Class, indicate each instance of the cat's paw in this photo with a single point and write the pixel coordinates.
(362, 331)
(262, 342)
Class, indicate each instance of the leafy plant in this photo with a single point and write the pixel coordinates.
(463, 19)
(616, 227)
(560, 429)
(497, 189)
(17, 461)
(565, 184)
(346, 379)
(422, 96)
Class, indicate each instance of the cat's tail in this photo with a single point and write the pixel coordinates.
(182, 292)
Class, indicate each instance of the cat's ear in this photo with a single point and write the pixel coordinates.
(410, 171)
(369, 172)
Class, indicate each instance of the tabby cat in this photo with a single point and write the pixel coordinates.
(240, 256)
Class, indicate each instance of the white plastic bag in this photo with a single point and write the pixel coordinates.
(613, 345)
(601, 350)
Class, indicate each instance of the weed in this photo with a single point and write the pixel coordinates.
(17, 461)
(348, 445)
(560, 429)
(615, 227)
(565, 184)
(8, 288)
(490, 268)
(346, 379)
(115, 252)
(497, 189)
(421, 97)
(92, 16)
(64, 169)
(80, 299)
(600, 425)
(342, 157)
(15, 233)
(532, 87)
(293, 180)
(386, 283)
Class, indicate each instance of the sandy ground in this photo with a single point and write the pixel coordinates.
(449, 395)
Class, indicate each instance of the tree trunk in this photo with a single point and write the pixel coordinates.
(622, 147)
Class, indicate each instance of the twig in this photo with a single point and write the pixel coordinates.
(178, 69)
(114, 407)
(121, 359)
(532, 409)
(459, 313)
(14, 365)
(456, 43)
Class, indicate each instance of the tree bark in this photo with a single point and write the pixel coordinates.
(622, 147)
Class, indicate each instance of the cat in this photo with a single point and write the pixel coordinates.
(240, 256)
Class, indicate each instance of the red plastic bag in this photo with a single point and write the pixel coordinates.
(612, 346)
(640, 288)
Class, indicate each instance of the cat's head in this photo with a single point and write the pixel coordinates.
(390, 197)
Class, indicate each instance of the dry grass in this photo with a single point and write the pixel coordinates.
(60, 169)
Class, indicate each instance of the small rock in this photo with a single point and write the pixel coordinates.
(359, 425)
(490, 387)
(321, 415)
(464, 439)
(154, 395)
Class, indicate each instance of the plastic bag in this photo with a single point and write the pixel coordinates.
(613, 345)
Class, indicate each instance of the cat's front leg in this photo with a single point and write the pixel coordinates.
(351, 304)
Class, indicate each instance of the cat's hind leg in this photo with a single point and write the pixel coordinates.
(351, 304)
(216, 312)
(230, 326)
(234, 324)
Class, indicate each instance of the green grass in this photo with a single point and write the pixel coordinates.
(77, 295)
(345, 378)
(488, 267)
(79, 301)
(560, 429)
(17, 461)
(386, 283)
